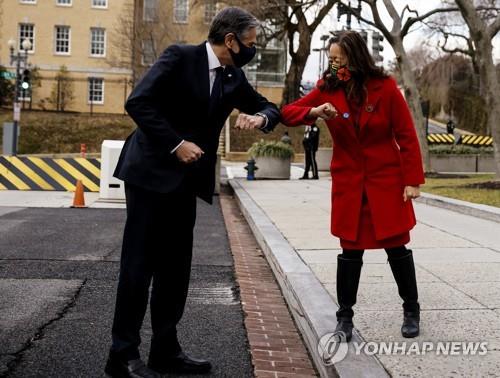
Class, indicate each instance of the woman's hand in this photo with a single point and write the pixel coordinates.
(411, 192)
(325, 111)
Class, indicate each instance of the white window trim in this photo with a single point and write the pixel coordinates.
(99, 6)
(32, 51)
(64, 5)
(55, 41)
(187, 14)
(28, 2)
(88, 91)
(105, 44)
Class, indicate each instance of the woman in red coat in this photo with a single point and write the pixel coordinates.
(376, 170)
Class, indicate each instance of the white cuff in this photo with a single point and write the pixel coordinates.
(177, 146)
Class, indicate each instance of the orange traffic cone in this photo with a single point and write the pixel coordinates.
(79, 200)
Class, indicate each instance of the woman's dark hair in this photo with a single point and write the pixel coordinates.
(360, 63)
(231, 20)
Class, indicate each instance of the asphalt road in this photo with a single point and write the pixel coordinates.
(58, 277)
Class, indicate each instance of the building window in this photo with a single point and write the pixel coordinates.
(27, 1)
(66, 3)
(148, 52)
(63, 40)
(26, 31)
(150, 10)
(99, 3)
(96, 90)
(181, 11)
(97, 42)
(210, 10)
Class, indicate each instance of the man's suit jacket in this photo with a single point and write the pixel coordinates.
(171, 103)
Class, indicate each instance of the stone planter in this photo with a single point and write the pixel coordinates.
(324, 158)
(272, 168)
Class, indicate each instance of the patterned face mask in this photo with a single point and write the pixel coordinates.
(341, 72)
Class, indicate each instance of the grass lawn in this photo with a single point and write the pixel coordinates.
(458, 188)
(52, 132)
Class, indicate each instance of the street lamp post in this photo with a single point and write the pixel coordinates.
(20, 58)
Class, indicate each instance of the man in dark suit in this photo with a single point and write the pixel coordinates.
(180, 107)
(311, 144)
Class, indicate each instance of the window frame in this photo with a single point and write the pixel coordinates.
(64, 5)
(89, 83)
(20, 39)
(175, 10)
(206, 4)
(92, 5)
(104, 43)
(55, 40)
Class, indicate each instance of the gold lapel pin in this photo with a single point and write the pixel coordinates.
(369, 108)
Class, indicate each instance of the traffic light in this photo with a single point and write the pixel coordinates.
(26, 80)
(377, 46)
(364, 35)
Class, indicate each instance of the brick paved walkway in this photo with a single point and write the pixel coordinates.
(275, 344)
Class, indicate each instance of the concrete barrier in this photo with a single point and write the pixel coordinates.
(463, 163)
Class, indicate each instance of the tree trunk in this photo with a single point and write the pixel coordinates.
(413, 98)
(482, 37)
(492, 93)
(298, 63)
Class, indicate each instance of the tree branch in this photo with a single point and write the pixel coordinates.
(494, 28)
(412, 20)
(396, 26)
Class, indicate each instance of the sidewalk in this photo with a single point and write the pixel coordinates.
(457, 263)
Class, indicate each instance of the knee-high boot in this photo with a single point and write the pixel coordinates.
(348, 273)
(403, 269)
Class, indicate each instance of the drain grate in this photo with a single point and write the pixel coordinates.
(213, 295)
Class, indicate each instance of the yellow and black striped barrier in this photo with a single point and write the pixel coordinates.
(36, 173)
(440, 139)
(477, 140)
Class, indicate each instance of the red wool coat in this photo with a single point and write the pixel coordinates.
(380, 161)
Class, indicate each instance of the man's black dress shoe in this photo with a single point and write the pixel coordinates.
(130, 369)
(180, 364)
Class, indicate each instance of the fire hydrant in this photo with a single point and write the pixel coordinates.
(251, 168)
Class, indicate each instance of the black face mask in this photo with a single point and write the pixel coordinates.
(245, 55)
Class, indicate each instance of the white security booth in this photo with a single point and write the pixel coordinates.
(111, 188)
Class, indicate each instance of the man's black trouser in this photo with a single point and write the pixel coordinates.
(157, 247)
(311, 164)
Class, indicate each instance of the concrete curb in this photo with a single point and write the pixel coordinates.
(480, 211)
(310, 304)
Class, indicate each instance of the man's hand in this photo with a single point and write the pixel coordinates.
(411, 192)
(325, 111)
(249, 122)
(188, 152)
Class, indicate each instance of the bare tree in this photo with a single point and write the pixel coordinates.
(482, 33)
(295, 20)
(140, 35)
(402, 24)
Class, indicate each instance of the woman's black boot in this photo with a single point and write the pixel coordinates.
(403, 269)
(348, 272)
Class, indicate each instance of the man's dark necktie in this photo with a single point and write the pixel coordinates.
(217, 89)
